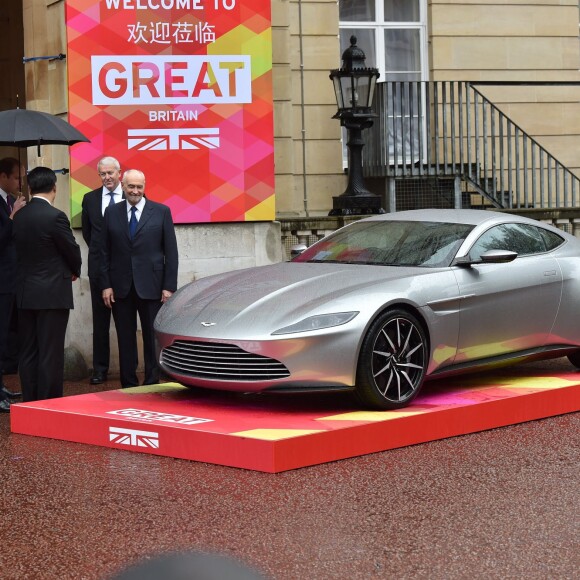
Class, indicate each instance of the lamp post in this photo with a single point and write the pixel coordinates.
(354, 88)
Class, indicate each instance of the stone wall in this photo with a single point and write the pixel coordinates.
(204, 249)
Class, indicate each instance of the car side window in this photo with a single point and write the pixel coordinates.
(521, 238)
(551, 239)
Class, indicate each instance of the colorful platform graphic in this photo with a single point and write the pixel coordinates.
(278, 433)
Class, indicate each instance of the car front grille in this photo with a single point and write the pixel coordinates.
(224, 362)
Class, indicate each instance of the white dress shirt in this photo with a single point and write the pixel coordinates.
(139, 207)
(4, 196)
(117, 194)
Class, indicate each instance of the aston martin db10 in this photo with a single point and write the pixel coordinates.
(381, 305)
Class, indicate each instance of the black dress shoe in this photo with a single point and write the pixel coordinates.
(4, 406)
(10, 394)
(98, 378)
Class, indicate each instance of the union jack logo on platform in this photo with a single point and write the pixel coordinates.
(134, 438)
(164, 139)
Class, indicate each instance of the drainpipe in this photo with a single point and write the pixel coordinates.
(302, 110)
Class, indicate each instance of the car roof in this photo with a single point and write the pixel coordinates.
(457, 216)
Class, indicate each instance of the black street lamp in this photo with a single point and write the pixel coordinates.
(354, 88)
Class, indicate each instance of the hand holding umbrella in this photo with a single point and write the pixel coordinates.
(19, 203)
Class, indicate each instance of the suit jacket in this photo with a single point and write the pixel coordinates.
(92, 222)
(48, 256)
(7, 252)
(149, 261)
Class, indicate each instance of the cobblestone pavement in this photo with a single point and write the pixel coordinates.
(498, 504)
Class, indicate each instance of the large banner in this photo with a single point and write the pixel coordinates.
(182, 90)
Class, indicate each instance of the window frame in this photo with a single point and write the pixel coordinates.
(378, 25)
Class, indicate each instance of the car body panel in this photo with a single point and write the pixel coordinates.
(567, 322)
(494, 317)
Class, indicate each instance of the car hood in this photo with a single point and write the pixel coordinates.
(258, 301)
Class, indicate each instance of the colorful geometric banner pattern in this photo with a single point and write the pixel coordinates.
(182, 90)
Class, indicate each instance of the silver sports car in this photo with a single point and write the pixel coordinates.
(379, 306)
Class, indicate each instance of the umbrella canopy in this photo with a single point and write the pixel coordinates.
(25, 128)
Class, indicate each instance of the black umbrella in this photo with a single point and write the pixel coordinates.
(26, 128)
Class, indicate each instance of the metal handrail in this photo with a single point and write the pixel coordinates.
(449, 128)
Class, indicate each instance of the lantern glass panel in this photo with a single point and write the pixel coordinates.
(373, 84)
(350, 91)
(362, 90)
(338, 92)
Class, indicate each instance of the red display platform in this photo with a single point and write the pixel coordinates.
(278, 433)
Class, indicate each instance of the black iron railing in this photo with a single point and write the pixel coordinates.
(450, 128)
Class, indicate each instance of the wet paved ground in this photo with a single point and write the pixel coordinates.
(499, 504)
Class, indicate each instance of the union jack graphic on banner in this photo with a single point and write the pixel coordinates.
(164, 139)
(134, 438)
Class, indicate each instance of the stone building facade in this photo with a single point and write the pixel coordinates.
(534, 40)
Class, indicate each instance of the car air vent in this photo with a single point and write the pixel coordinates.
(223, 362)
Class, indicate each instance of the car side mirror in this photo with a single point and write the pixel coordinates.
(489, 257)
(498, 256)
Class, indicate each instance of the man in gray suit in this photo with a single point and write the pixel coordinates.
(139, 272)
(48, 261)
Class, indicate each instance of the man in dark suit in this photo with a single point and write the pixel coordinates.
(139, 272)
(94, 204)
(10, 202)
(48, 261)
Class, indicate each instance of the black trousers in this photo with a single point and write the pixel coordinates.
(6, 305)
(41, 363)
(125, 315)
(12, 349)
(101, 325)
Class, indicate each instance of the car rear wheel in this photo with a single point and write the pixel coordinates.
(392, 362)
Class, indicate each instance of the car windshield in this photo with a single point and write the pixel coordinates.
(390, 243)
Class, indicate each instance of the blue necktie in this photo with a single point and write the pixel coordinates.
(133, 222)
(112, 200)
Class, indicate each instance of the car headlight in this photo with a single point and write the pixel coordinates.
(318, 322)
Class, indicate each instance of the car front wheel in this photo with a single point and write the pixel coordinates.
(392, 362)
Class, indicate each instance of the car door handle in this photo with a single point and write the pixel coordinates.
(550, 273)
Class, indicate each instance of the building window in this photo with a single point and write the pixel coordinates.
(393, 36)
